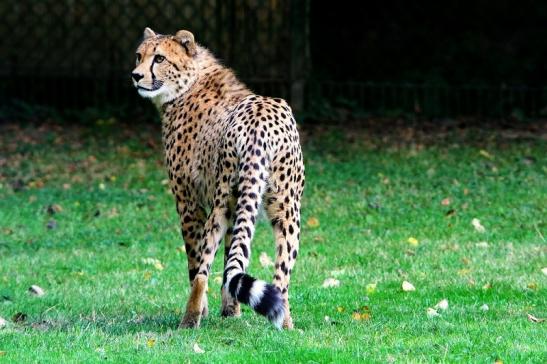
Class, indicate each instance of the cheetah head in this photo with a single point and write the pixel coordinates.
(165, 65)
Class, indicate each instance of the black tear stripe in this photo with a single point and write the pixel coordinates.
(152, 72)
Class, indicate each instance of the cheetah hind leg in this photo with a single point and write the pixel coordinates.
(287, 239)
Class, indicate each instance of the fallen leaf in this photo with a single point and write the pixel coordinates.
(498, 361)
(360, 316)
(431, 312)
(150, 342)
(54, 208)
(487, 286)
(371, 288)
(533, 286)
(197, 349)
(181, 249)
(340, 309)
(464, 271)
(3, 323)
(147, 276)
(442, 305)
(265, 260)
(152, 261)
(2, 353)
(534, 319)
(445, 201)
(485, 154)
(36, 290)
(482, 244)
(331, 282)
(477, 225)
(413, 241)
(113, 212)
(313, 222)
(408, 287)
(485, 307)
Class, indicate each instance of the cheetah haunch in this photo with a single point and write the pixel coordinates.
(226, 151)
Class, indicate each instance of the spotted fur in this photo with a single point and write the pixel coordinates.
(227, 151)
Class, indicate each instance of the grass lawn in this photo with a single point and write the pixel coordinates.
(82, 209)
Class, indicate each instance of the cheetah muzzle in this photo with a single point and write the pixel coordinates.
(227, 152)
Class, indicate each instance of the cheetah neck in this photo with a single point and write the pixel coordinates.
(215, 90)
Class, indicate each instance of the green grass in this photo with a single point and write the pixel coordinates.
(370, 193)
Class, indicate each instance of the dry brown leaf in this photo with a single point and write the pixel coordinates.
(408, 287)
(413, 241)
(431, 312)
(36, 290)
(265, 260)
(313, 222)
(359, 316)
(477, 225)
(152, 261)
(442, 305)
(485, 154)
(197, 349)
(371, 288)
(534, 319)
(331, 282)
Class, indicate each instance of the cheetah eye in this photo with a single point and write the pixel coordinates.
(138, 58)
(159, 59)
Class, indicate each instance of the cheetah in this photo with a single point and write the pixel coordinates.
(228, 152)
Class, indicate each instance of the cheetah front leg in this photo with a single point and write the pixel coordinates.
(214, 230)
(192, 224)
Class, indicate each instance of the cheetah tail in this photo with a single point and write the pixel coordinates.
(264, 298)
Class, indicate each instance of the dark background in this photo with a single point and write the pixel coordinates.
(453, 42)
(331, 60)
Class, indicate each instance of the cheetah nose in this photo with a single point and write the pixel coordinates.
(137, 76)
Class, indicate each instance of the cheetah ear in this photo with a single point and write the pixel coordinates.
(186, 39)
(148, 33)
